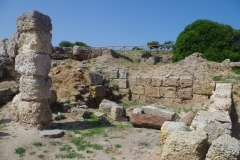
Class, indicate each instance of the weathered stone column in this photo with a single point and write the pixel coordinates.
(33, 62)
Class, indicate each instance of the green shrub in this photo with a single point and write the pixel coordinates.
(153, 45)
(38, 144)
(115, 86)
(66, 44)
(20, 151)
(216, 41)
(217, 78)
(236, 71)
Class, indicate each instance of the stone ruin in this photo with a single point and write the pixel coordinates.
(31, 105)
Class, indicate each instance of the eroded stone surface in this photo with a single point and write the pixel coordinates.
(169, 115)
(29, 64)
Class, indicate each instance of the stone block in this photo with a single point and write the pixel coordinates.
(171, 101)
(122, 83)
(224, 148)
(235, 65)
(187, 118)
(144, 81)
(185, 93)
(94, 78)
(185, 145)
(122, 74)
(147, 121)
(31, 112)
(135, 97)
(203, 87)
(118, 113)
(156, 81)
(168, 92)
(35, 88)
(169, 127)
(159, 112)
(34, 20)
(171, 81)
(186, 81)
(6, 92)
(106, 105)
(33, 64)
(132, 81)
(152, 91)
(110, 74)
(3, 47)
(35, 41)
(98, 91)
(137, 90)
(12, 48)
(215, 124)
(124, 91)
(199, 97)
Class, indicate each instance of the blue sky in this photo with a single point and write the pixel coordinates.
(119, 22)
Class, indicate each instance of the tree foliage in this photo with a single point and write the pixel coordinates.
(153, 45)
(70, 44)
(136, 48)
(216, 41)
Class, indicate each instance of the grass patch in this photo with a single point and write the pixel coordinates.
(80, 143)
(70, 155)
(217, 78)
(118, 146)
(32, 153)
(54, 143)
(38, 144)
(41, 156)
(97, 147)
(89, 151)
(129, 104)
(236, 71)
(65, 147)
(115, 87)
(235, 92)
(20, 151)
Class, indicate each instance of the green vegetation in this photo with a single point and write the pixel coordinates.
(54, 143)
(65, 147)
(128, 104)
(70, 155)
(80, 143)
(136, 48)
(115, 86)
(20, 151)
(70, 44)
(216, 41)
(41, 156)
(153, 45)
(38, 144)
(118, 145)
(97, 147)
(236, 71)
(217, 78)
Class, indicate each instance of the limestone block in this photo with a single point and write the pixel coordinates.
(159, 112)
(199, 97)
(124, 91)
(171, 101)
(144, 81)
(122, 74)
(33, 64)
(185, 145)
(118, 113)
(137, 111)
(135, 97)
(122, 83)
(34, 20)
(223, 105)
(203, 87)
(168, 92)
(137, 90)
(185, 93)
(6, 92)
(35, 41)
(53, 98)
(76, 50)
(235, 64)
(171, 81)
(142, 99)
(186, 81)
(106, 105)
(224, 148)
(31, 112)
(152, 91)
(169, 127)
(223, 86)
(12, 48)
(187, 118)
(147, 121)
(35, 88)
(110, 74)
(132, 81)
(3, 47)
(94, 78)
(98, 91)
(215, 124)
(156, 81)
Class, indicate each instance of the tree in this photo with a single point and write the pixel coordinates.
(216, 41)
(65, 44)
(136, 48)
(170, 44)
(81, 44)
(153, 44)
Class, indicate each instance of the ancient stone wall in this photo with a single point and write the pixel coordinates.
(33, 62)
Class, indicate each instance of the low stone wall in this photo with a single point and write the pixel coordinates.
(169, 89)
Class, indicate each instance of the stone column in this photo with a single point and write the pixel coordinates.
(33, 62)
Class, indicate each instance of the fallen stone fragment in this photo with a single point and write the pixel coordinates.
(187, 118)
(169, 127)
(224, 148)
(147, 121)
(169, 115)
(185, 145)
(118, 113)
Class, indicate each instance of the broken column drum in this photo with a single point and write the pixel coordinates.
(33, 62)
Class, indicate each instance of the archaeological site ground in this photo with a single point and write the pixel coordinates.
(103, 104)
